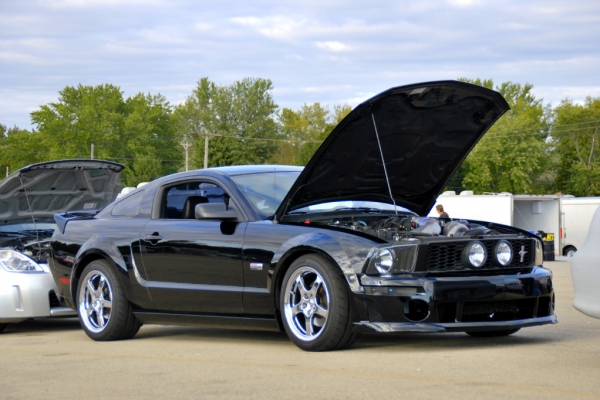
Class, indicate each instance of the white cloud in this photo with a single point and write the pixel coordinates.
(102, 3)
(273, 27)
(202, 26)
(333, 46)
(464, 3)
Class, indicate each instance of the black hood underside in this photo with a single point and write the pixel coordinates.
(425, 131)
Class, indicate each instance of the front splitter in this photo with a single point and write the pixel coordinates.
(387, 327)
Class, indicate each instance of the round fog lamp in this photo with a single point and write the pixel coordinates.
(384, 261)
(503, 252)
(474, 255)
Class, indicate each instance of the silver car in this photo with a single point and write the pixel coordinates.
(29, 198)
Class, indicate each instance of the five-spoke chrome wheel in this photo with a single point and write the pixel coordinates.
(306, 303)
(95, 301)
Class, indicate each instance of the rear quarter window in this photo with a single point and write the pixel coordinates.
(129, 206)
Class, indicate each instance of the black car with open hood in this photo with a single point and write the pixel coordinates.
(323, 252)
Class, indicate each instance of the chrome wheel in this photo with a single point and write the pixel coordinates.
(95, 301)
(306, 303)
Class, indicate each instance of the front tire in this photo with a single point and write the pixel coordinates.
(104, 311)
(2, 327)
(488, 334)
(315, 305)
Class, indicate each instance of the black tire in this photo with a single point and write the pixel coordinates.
(499, 333)
(100, 321)
(2, 327)
(349, 337)
(569, 251)
(319, 317)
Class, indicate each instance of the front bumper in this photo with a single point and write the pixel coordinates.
(27, 295)
(456, 304)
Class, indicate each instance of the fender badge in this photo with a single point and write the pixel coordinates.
(254, 266)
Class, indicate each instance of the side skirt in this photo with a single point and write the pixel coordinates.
(212, 321)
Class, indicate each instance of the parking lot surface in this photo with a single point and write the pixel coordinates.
(55, 359)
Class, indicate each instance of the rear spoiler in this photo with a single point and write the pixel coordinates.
(64, 217)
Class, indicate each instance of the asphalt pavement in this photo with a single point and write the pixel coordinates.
(55, 359)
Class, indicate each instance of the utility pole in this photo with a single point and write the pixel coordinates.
(92, 157)
(186, 146)
(206, 151)
(7, 170)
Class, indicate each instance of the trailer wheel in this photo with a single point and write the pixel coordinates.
(569, 251)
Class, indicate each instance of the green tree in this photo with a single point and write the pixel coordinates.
(304, 130)
(136, 131)
(576, 140)
(18, 148)
(239, 119)
(513, 155)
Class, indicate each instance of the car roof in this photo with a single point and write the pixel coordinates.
(252, 169)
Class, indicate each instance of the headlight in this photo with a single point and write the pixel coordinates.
(503, 252)
(474, 255)
(384, 261)
(392, 259)
(13, 261)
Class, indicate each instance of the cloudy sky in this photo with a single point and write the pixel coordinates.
(328, 50)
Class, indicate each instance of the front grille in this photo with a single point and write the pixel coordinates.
(446, 257)
(54, 302)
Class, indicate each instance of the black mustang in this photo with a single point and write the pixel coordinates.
(324, 252)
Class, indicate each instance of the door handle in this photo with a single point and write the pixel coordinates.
(155, 237)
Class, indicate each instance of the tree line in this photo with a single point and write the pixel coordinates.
(534, 148)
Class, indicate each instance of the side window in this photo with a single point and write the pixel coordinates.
(180, 201)
(129, 206)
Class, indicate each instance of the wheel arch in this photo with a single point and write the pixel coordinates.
(99, 248)
(566, 249)
(347, 252)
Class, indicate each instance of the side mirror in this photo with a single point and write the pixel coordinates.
(214, 211)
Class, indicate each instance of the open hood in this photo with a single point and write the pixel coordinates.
(425, 131)
(55, 186)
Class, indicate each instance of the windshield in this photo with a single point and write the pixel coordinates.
(266, 190)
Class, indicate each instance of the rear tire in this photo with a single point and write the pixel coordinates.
(499, 333)
(104, 311)
(315, 306)
(569, 251)
(2, 327)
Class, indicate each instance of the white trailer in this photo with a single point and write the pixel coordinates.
(528, 212)
(576, 215)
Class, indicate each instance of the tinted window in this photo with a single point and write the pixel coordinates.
(197, 193)
(129, 206)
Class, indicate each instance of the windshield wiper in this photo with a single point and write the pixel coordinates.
(297, 212)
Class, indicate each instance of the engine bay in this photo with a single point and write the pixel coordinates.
(34, 244)
(394, 227)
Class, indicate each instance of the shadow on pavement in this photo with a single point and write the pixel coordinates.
(400, 341)
(43, 325)
(195, 333)
(448, 341)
